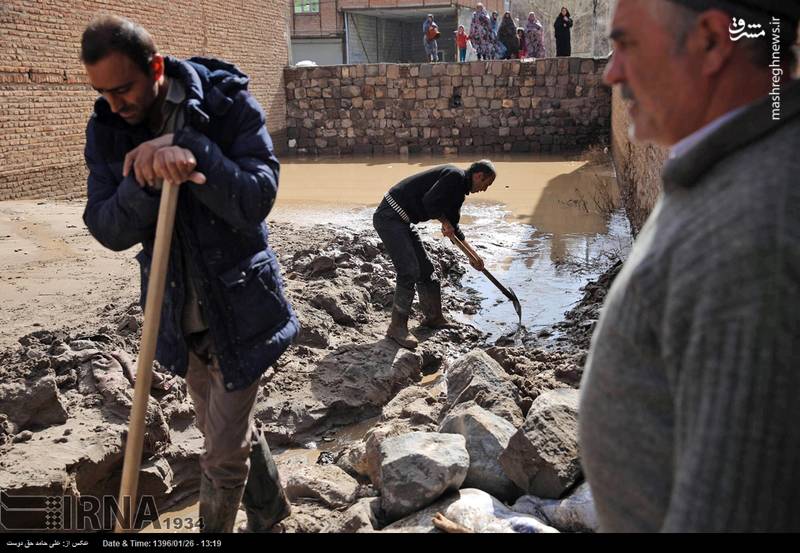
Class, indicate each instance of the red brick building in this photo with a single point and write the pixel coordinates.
(45, 100)
(331, 32)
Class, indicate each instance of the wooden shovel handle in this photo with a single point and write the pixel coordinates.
(463, 247)
(147, 350)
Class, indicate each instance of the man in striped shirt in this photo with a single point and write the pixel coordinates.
(437, 193)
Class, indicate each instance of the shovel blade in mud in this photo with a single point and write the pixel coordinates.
(507, 292)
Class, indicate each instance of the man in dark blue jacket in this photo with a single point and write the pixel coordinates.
(437, 193)
(225, 319)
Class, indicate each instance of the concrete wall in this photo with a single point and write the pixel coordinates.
(45, 100)
(322, 51)
(330, 19)
(550, 105)
(638, 167)
(382, 40)
(363, 38)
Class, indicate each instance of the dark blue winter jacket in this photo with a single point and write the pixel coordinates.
(219, 223)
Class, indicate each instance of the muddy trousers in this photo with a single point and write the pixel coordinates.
(404, 247)
(225, 419)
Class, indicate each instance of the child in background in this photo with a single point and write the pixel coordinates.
(461, 43)
(523, 47)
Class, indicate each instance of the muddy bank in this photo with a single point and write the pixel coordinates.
(66, 392)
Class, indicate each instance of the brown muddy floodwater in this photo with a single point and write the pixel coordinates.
(545, 227)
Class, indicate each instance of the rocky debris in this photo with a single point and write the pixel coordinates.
(579, 322)
(311, 518)
(575, 513)
(346, 305)
(33, 404)
(487, 436)
(475, 510)
(360, 518)
(321, 265)
(542, 458)
(340, 372)
(535, 370)
(353, 460)
(24, 436)
(479, 378)
(348, 385)
(6, 429)
(416, 403)
(315, 327)
(419, 467)
(327, 484)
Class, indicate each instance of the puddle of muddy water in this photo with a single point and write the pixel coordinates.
(545, 227)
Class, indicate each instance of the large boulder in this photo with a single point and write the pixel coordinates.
(34, 404)
(575, 513)
(419, 467)
(543, 458)
(479, 378)
(413, 409)
(374, 439)
(349, 385)
(487, 436)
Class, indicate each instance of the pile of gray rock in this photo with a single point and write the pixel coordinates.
(474, 451)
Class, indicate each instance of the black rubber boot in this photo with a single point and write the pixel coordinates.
(264, 498)
(430, 300)
(398, 329)
(218, 507)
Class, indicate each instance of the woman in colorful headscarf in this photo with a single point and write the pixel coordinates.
(481, 35)
(508, 37)
(534, 37)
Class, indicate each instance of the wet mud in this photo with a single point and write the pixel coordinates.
(67, 385)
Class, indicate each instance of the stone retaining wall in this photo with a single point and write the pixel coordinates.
(539, 106)
(638, 167)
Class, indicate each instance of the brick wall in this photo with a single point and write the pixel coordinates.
(45, 100)
(549, 106)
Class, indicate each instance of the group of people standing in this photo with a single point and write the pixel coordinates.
(502, 39)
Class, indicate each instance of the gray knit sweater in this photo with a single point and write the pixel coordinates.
(690, 407)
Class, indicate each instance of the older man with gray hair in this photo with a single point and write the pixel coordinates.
(689, 415)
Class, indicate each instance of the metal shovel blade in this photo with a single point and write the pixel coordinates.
(507, 292)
